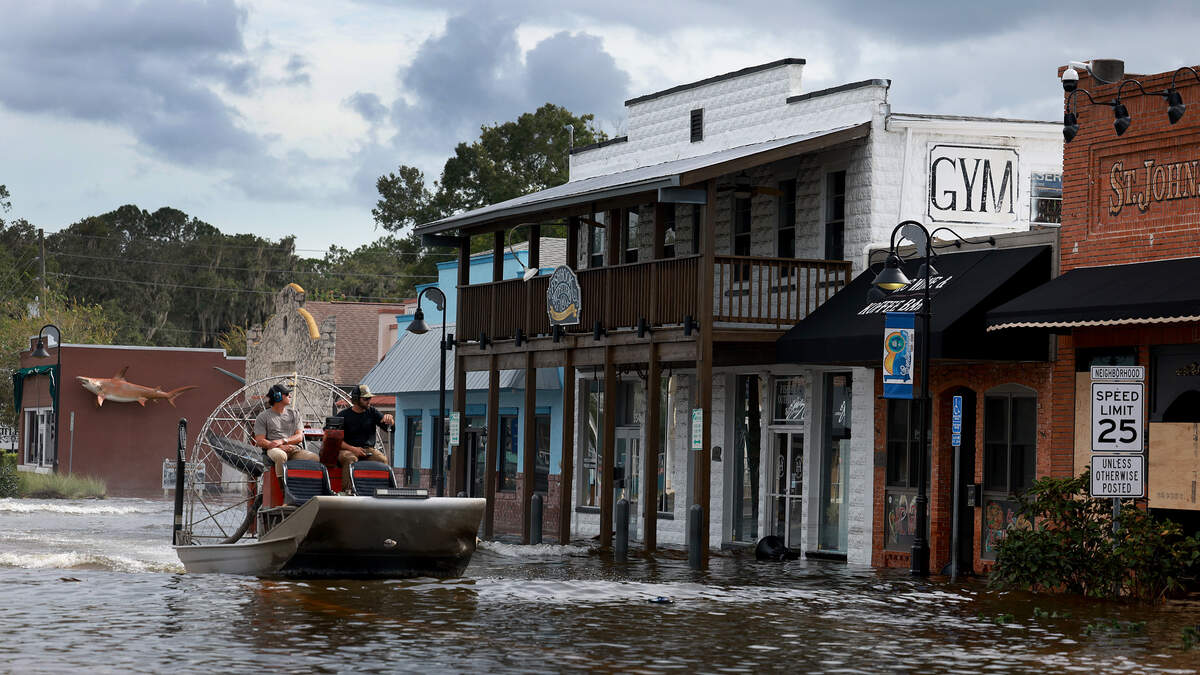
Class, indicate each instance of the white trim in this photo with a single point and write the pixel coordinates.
(149, 348)
(1095, 322)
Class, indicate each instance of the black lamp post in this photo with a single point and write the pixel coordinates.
(419, 327)
(40, 352)
(892, 278)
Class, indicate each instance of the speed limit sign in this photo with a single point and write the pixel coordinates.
(1117, 418)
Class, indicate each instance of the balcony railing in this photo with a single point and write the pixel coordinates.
(774, 292)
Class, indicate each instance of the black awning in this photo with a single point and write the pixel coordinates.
(1150, 292)
(849, 329)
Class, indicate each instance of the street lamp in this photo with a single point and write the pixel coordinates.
(419, 327)
(892, 278)
(40, 352)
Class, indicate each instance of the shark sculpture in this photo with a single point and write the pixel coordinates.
(119, 389)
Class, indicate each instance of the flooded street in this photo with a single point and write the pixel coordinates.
(93, 585)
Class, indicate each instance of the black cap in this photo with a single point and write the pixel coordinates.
(277, 392)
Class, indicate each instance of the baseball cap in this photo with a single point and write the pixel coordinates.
(362, 392)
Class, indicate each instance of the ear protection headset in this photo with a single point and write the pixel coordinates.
(275, 395)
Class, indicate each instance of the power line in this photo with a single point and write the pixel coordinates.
(267, 249)
(248, 269)
(212, 288)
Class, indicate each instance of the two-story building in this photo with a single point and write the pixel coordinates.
(731, 210)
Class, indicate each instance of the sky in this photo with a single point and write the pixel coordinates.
(276, 117)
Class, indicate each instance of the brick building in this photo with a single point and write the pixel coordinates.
(123, 443)
(1130, 240)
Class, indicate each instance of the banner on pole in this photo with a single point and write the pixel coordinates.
(899, 334)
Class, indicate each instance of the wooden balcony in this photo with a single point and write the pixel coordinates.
(748, 292)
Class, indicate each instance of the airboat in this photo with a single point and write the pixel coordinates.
(234, 515)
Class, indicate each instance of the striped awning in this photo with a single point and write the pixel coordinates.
(1164, 291)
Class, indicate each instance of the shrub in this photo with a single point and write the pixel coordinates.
(1071, 546)
(8, 474)
(60, 486)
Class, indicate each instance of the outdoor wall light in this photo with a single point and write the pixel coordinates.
(1175, 105)
(1121, 117)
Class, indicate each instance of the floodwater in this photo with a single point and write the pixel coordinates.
(93, 585)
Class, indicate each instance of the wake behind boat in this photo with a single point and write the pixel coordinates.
(235, 516)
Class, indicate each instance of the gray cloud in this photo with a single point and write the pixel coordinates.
(367, 105)
(148, 67)
(296, 69)
(473, 74)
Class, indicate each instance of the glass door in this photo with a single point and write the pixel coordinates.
(628, 483)
(786, 486)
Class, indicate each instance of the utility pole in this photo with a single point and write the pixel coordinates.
(42, 263)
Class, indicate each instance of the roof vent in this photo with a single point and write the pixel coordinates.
(697, 125)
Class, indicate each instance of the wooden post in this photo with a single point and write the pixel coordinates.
(535, 246)
(568, 451)
(661, 210)
(653, 445)
(573, 242)
(608, 454)
(530, 449)
(498, 256)
(493, 444)
(616, 222)
(704, 363)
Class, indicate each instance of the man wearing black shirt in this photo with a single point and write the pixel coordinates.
(360, 421)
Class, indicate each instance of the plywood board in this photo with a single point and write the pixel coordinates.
(1083, 421)
(1174, 470)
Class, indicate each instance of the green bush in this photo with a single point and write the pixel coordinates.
(1071, 546)
(60, 486)
(8, 474)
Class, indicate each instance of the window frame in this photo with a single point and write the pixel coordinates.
(1009, 486)
(412, 445)
(785, 226)
(506, 481)
(630, 220)
(597, 241)
(835, 228)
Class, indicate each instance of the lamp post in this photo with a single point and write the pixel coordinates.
(40, 352)
(419, 327)
(892, 278)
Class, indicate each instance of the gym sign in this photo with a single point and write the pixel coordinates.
(973, 184)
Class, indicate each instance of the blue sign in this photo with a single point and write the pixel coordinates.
(956, 422)
(899, 332)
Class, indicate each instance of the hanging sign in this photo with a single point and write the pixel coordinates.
(898, 349)
(698, 428)
(455, 427)
(564, 302)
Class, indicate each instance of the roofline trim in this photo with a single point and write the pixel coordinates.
(717, 78)
(839, 89)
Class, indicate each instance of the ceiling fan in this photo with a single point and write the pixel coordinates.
(743, 188)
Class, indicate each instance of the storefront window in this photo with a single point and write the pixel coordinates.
(1045, 201)
(506, 480)
(1175, 387)
(746, 456)
(902, 439)
(412, 447)
(835, 463)
(595, 242)
(593, 429)
(789, 400)
(1009, 459)
(541, 467)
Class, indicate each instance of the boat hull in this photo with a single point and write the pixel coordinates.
(354, 537)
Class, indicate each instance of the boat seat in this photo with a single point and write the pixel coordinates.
(370, 476)
(304, 479)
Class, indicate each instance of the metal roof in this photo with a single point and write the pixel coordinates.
(411, 365)
(620, 183)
